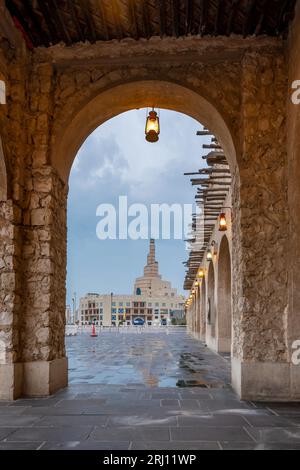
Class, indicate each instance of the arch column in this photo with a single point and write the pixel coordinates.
(261, 369)
(44, 248)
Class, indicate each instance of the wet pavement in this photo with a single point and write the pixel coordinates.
(146, 390)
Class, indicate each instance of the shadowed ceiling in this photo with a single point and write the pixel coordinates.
(48, 22)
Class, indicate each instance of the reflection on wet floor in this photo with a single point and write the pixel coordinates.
(162, 358)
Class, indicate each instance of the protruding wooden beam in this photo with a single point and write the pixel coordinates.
(48, 18)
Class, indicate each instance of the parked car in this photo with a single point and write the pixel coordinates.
(138, 322)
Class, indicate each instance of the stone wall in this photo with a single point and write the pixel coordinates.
(56, 97)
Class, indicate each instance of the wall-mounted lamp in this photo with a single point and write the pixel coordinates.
(209, 255)
(201, 273)
(222, 222)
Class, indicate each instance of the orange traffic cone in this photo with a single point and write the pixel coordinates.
(93, 335)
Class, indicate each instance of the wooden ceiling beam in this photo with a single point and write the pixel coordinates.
(175, 16)
(260, 23)
(61, 26)
(248, 17)
(162, 18)
(146, 20)
(231, 16)
(75, 20)
(103, 18)
(89, 20)
(189, 14)
(47, 15)
(134, 22)
(117, 19)
(45, 36)
(217, 18)
(203, 17)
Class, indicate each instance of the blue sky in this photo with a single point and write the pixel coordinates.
(116, 160)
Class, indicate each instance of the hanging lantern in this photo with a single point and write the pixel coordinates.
(152, 130)
(209, 255)
(222, 222)
(196, 284)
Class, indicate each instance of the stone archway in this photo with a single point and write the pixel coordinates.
(224, 313)
(137, 94)
(71, 100)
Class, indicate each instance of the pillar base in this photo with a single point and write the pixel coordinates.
(266, 381)
(43, 378)
(11, 378)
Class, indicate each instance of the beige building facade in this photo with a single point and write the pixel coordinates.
(154, 301)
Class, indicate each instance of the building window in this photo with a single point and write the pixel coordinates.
(127, 304)
(121, 310)
(114, 304)
(120, 304)
(114, 310)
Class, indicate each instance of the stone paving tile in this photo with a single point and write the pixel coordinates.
(37, 402)
(130, 411)
(5, 432)
(20, 445)
(18, 420)
(55, 433)
(170, 403)
(12, 410)
(189, 404)
(262, 421)
(256, 446)
(87, 445)
(80, 404)
(142, 433)
(75, 420)
(157, 420)
(206, 433)
(272, 435)
(175, 445)
(211, 421)
(51, 411)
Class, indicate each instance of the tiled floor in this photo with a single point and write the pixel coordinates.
(123, 395)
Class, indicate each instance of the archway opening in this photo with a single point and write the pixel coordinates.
(224, 315)
(74, 127)
(211, 307)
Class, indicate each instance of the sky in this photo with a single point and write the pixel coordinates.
(116, 160)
